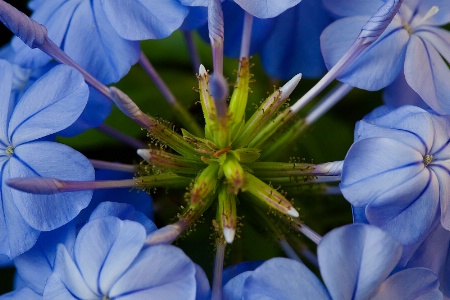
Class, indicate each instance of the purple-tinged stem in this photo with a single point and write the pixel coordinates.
(216, 293)
(288, 250)
(120, 136)
(246, 35)
(47, 186)
(370, 32)
(308, 232)
(182, 114)
(327, 103)
(106, 165)
(192, 49)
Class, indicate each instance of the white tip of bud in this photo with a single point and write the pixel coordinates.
(228, 234)
(289, 87)
(293, 212)
(202, 71)
(36, 185)
(144, 153)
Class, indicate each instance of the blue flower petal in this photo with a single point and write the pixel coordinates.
(399, 93)
(349, 8)
(122, 211)
(378, 65)
(433, 254)
(66, 282)
(386, 163)
(142, 20)
(355, 259)
(103, 52)
(6, 103)
(94, 114)
(36, 265)
(293, 45)
(196, 17)
(203, 288)
(266, 9)
(282, 278)
(410, 125)
(442, 174)
(428, 74)
(159, 272)
(49, 159)
(408, 210)
(51, 104)
(399, 286)
(234, 288)
(99, 251)
(23, 293)
(16, 235)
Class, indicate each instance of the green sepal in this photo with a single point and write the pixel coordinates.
(239, 98)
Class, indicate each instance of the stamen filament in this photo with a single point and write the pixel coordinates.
(106, 165)
(182, 114)
(120, 136)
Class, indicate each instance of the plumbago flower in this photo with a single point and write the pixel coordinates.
(51, 104)
(396, 173)
(109, 261)
(43, 261)
(86, 31)
(355, 261)
(413, 44)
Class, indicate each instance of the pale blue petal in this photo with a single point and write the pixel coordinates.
(443, 176)
(6, 104)
(399, 93)
(49, 159)
(159, 272)
(51, 104)
(266, 9)
(235, 270)
(350, 8)
(122, 211)
(142, 20)
(196, 17)
(428, 74)
(378, 65)
(23, 293)
(433, 254)
(36, 265)
(408, 124)
(203, 289)
(99, 49)
(438, 37)
(408, 210)
(282, 278)
(293, 45)
(386, 164)
(16, 235)
(416, 283)
(66, 282)
(234, 288)
(105, 248)
(94, 114)
(355, 259)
